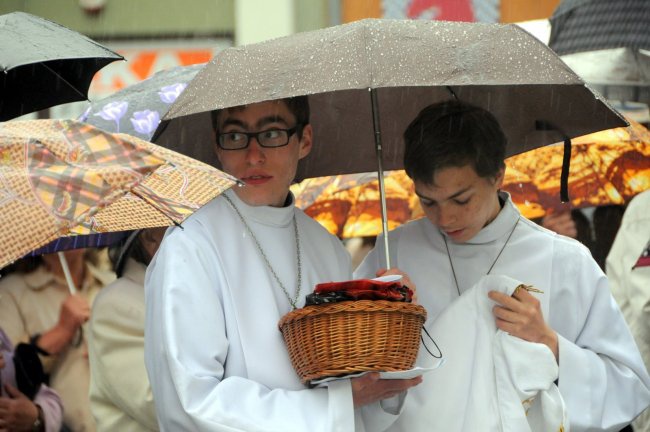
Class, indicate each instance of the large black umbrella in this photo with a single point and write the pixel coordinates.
(367, 80)
(607, 42)
(44, 64)
(589, 25)
(388, 70)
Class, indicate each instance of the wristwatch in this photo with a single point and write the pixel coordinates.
(39, 423)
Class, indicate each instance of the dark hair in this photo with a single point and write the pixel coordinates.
(453, 134)
(298, 106)
(606, 220)
(132, 248)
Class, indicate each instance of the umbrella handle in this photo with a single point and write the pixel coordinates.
(66, 272)
(543, 125)
(78, 337)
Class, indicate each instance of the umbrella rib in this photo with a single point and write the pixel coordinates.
(453, 93)
(155, 207)
(64, 80)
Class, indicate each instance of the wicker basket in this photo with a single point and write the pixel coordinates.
(352, 336)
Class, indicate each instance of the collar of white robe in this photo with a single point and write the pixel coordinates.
(451, 264)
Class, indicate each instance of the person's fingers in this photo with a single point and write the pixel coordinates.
(505, 314)
(405, 281)
(369, 388)
(521, 293)
(505, 300)
(13, 392)
(393, 387)
(364, 381)
(527, 300)
(507, 327)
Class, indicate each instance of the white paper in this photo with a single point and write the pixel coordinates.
(388, 278)
(404, 374)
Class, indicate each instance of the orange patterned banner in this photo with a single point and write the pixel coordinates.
(143, 62)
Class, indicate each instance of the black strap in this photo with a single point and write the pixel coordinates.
(564, 176)
(434, 342)
(543, 125)
(28, 370)
(33, 341)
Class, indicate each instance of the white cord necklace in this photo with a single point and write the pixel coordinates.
(293, 301)
(453, 272)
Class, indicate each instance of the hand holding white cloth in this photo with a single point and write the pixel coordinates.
(491, 381)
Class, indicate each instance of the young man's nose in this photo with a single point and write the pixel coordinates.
(445, 217)
(254, 152)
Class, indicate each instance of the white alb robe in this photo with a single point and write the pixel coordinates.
(214, 355)
(630, 283)
(602, 378)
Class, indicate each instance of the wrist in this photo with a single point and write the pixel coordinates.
(56, 339)
(33, 341)
(552, 342)
(39, 423)
(66, 331)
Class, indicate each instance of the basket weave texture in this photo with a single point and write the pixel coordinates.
(352, 336)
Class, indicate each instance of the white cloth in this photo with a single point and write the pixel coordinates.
(630, 284)
(602, 378)
(120, 394)
(491, 381)
(215, 357)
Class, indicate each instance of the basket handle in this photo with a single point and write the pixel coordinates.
(434, 342)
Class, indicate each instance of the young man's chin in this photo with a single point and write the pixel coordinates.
(258, 196)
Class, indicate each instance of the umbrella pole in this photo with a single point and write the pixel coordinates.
(380, 172)
(66, 272)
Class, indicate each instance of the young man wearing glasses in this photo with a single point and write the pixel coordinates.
(218, 287)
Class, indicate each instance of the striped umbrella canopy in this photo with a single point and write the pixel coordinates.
(589, 25)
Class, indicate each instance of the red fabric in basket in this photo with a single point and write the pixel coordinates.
(367, 289)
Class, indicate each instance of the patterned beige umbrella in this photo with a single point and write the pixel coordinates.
(349, 205)
(62, 177)
(607, 167)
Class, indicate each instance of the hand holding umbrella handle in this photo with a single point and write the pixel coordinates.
(78, 337)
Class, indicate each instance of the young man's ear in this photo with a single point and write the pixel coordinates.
(217, 151)
(306, 140)
(500, 177)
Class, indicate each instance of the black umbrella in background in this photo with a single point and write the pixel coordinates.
(607, 43)
(44, 64)
(589, 25)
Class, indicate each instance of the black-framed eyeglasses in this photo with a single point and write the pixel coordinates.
(269, 138)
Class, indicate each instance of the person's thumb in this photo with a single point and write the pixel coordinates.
(13, 392)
